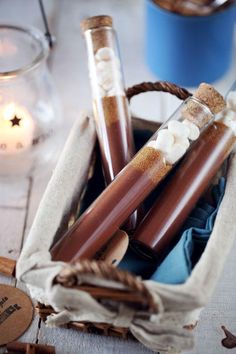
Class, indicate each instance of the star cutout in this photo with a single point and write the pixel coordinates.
(15, 121)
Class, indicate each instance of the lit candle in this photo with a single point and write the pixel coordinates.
(16, 129)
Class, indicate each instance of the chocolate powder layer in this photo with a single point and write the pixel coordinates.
(161, 225)
(114, 133)
(151, 161)
(103, 218)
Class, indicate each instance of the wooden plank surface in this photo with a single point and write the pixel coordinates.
(19, 200)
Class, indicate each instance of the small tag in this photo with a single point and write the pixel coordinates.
(16, 313)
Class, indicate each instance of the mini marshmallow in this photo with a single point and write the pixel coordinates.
(176, 152)
(98, 91)
(178, 129)
(104, 53)
(152, 144)
(231, 100)
(108, 84)
(113, 63)
(164, 140)
(229, 114)
(115, 91)
(103, 65)
(194, 131)
(117, 75)
(183, 141)
(230, 123)
(116, 62)
(103, 76)
(102, 92)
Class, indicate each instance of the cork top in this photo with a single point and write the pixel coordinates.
(96, 22)
(210, 97)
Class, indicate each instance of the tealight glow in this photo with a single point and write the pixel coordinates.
(16, 129)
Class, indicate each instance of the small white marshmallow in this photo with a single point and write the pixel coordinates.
(229, 114)
(108, 84)
(103, 76)
(194, 131)
(175, 154)
(115, 91)
(231, 100)
(152, 144)
(103, 66)
(116, 62)
(178, 129)
(230, 123)
(164, 140)
(101, 91)
(183, 141)
(104, 53)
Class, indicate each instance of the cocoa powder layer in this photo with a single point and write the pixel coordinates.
(114, 133)
(105, 215)
(115, 108)
(151, 162)
(115, 139)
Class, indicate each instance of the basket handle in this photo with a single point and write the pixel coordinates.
(160, 86)
(68, 277)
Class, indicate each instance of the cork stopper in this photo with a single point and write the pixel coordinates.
(210, 97)
(96, 22)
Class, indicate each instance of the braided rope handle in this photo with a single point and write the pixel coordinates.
(160, 86)
(68, 277)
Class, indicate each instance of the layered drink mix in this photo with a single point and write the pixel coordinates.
(110, 106)
(160, 227)
(133, 184)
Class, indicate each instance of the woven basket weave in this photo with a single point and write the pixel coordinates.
(137, 295)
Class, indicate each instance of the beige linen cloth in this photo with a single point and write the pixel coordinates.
(178, 305)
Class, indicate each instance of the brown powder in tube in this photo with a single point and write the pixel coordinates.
(151, 162)
(162, 224)
(112, 109)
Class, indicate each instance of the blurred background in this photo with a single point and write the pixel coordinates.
(171, 40)
(137, 24)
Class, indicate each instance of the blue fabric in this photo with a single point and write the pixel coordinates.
(137, 265)
(178, 264)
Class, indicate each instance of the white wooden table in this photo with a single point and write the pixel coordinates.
(19, 201)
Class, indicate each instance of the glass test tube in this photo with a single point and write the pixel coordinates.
(110, 105)
(159, 229)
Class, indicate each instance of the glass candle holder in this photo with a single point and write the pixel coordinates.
(29, 108)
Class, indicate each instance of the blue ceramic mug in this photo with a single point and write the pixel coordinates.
(188, 49)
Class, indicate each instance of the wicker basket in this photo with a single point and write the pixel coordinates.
(137, 295)
(175, 308)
